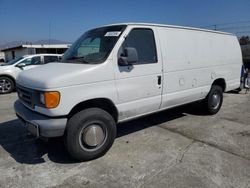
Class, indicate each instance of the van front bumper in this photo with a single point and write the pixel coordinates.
(40, 125)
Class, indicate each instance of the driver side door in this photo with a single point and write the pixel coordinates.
(139, 85)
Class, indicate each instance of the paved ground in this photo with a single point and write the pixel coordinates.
(174, 148)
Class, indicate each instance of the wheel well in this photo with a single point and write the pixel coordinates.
(10, 77)
(220, 82)
(102, 103)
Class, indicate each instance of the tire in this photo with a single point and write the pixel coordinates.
(214, 100)
(89, 134)
(7, 85)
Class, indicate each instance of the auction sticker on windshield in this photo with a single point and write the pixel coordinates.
(112, 34)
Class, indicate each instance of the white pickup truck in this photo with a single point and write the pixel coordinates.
(119, 72)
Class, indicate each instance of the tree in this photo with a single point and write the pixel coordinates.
(244, 40)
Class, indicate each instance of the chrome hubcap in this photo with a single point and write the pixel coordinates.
(93, 135)
(5, 85)
(215, 100)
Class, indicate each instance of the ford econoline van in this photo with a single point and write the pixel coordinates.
(119, 72)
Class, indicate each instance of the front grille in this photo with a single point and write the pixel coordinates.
(25, 95)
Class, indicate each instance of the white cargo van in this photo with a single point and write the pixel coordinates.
(119, 72)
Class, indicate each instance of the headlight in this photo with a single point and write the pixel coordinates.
(42, 100)
(50, 99)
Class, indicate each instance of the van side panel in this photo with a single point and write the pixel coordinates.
(193, 60)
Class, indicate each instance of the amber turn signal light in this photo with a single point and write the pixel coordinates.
(51, 99)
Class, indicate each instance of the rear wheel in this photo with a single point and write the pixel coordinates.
(214, 100)
(6, 85)
(90, 134)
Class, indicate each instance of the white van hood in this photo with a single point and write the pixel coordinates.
(56, 75)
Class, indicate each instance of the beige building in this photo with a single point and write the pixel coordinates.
(28, 49)
(1, 56)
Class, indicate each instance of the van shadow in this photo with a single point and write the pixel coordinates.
(28, 150)
(159, 118)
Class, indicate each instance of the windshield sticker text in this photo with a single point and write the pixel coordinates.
(112, 34)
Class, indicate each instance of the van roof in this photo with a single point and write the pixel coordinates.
(171, 26)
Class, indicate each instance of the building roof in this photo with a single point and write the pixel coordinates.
(36, 46)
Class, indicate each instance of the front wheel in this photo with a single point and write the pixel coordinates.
(214, 100)
(6, 85)
(90, 134)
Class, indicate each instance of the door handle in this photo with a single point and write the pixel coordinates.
(159, 80)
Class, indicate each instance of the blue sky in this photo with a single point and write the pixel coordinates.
(29, 20)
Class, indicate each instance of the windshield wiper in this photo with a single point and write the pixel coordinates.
(80, 58)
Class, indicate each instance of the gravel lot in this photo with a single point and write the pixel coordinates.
(175, 148)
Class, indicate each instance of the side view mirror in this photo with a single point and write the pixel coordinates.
(129, 57)
(21, 65)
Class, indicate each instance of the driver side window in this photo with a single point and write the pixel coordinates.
(143, 41)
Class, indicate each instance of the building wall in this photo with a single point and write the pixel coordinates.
(18, 53)
(2, 55)
(28, 50)
(50, 50)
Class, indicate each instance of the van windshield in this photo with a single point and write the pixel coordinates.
(94, 46)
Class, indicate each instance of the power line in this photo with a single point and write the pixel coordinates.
(243, 32)
(227, 23)
(233, 27)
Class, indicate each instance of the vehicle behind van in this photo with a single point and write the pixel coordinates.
(9, 71)
(119, 72)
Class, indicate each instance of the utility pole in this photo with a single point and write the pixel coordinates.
(215, 27)
(49, 31)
